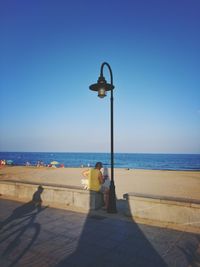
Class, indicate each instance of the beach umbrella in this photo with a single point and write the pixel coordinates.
(9, 162)
(54, 162)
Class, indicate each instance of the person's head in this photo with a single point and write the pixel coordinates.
(40, 189)
(98, 165)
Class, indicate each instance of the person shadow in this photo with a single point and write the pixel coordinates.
(19, 231)
(111, 242)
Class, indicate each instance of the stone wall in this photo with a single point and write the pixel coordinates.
(52, 194)
(180, 211)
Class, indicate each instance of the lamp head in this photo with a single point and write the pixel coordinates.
(101, 87)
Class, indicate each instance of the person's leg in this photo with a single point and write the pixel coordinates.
(106, 197)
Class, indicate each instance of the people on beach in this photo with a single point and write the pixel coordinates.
(38, 164)
(3, 162)
(97, 181)
(95, 177)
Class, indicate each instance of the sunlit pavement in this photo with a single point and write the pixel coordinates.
(54, 237)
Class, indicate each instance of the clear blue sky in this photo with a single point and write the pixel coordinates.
(51, 51)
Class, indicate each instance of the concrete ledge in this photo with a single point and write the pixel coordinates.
(165, 209)
(61, 196)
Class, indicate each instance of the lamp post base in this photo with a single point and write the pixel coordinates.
(112, 199)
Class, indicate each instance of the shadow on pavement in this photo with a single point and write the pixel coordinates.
(192, 253)
(105, 241)
(75, 239)
(19, 231)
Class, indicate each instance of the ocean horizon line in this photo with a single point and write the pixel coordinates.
(90, 152)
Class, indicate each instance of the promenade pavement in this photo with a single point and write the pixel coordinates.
(54, 237)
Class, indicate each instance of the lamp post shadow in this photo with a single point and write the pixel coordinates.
(107, 241)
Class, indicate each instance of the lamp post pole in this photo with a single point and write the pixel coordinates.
(102, 86)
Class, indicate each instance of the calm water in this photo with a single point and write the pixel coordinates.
(122, 160)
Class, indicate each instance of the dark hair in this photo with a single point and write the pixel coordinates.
(40, 188)
(98, 164)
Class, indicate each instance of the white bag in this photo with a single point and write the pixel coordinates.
(84, 182)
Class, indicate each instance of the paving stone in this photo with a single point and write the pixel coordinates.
(60, 238)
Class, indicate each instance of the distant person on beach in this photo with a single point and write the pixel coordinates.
(95, 177)
(3, 162)
(38, 164)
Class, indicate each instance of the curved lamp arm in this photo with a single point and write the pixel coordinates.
(111, 75)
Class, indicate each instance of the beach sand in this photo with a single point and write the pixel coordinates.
(184, 184)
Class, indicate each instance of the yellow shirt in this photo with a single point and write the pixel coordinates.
(93, 180)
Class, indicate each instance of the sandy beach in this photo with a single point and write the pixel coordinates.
(170, 183)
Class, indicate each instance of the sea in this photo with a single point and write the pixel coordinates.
(176, 162)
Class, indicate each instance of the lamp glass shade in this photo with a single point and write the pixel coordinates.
(102, 92)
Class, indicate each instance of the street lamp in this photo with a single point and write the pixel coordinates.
(102, 87)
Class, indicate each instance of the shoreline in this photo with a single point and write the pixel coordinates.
(84, 167)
